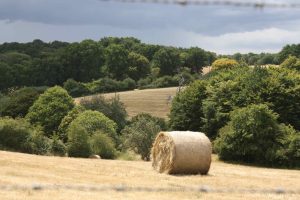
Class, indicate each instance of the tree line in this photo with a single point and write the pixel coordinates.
(38, 63)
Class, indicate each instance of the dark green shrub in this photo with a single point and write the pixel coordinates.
(50, 108)
(37, 143)
(4, 101)
(76, 89)
(143, 83)
(78, 142)
(157, 120)
(58, 148)
(165, 81)
(14, 134)
(66, 121)
(289, 153)
(140, 135)
(253, 135)
(128, 84)
(111, 108)
(102, 145)
(103, 85)
(186, 111)
(291, 62)
(93, 121)
(20, 101)
(226, 90)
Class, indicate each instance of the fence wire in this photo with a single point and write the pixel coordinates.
(124, 188)
(254, 4)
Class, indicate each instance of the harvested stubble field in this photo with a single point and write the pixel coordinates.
(153, 101)
(23, 170)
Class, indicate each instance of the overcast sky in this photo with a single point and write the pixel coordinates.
(222, 29)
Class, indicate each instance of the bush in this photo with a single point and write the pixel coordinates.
(78, 142)
(4, 101)
(58, 148)
(224, 63)
(253, 135)
(165, 81)
(93, 121)
(291, 62)
(157, 120)
(38, 144)
(19, 135)
(140, 135)
(50, 108)
(207, 109)
(186, 111)
(102, 145)
(103, 85)
(20, 101)
(66, 121)
(143, 83)
(128, 84)
(112, 108)
(76, 89)
(289, 153)
(14, 134)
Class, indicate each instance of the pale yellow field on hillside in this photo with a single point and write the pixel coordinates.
(22, 170)
(153, 101)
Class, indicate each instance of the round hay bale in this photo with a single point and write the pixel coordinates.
(181, 152)
(95, 157)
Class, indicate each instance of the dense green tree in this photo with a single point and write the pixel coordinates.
(83, 61)
(6, 76)
(186, 111)
(76, 89)
(50, 108)
(196, 59)
(253, 135)
(16, 67)
(14, 134)
(112, 108)
(139, 135)
(93, 121)
(67, 120)
(291, 62)
(83, 133)
(139, 66)
(167, 60)
(102, 145)
(293, 50)
(159, 121)
(117, 61)
(47, 70)
(21, 100)
(78, 142)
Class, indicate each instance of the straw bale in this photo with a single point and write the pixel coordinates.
(181, 152)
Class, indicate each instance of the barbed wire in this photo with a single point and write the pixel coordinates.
(256, 4)
(124, 188)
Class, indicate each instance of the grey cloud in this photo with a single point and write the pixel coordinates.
(211, 20)
(204, 26)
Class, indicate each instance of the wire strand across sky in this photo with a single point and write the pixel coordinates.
(255, 4)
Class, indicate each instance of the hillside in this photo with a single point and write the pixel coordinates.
(26, 176)
(153, 101)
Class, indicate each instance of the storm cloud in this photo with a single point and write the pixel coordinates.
(223, 29)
